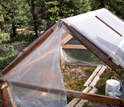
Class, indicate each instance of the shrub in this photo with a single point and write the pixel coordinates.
(4, 38)
(9, 56)
(4, 61)
(25, 36)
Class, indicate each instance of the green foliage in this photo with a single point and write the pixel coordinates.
(95, 59)
(9, 55)
(9, 49)
(121, 72)
(116, 6)
(56, 10)
(4, 38)
(91, 69)
(4, 61)
(25, 36)
(14, 11)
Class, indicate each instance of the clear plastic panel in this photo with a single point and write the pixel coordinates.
(80, 57)
(41, 67)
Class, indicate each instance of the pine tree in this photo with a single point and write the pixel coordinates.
(116, 6)
(1, 19)
(58, 9)
(14, 12)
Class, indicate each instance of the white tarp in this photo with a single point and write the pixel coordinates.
(99, 33)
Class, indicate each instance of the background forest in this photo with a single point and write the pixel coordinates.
(22, 21)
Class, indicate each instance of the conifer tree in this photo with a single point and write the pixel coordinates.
(14, 13)
(57, 9)
(116, 6)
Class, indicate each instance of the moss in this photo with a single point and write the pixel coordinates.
(77, 85)
(91, 69)
(67, 78)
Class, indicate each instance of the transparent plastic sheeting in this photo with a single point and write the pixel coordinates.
(99, 33)
(79, 56)
(41, 67)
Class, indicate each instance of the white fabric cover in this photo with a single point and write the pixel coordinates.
(99, 33)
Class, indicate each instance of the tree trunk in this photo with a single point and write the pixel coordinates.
(34, 13)
(2, 26)
(102, 5)
(14, 30)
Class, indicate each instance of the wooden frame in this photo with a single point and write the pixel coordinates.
(73, 94)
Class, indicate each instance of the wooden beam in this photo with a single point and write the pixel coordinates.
(89, 45)
(73, 94)
(97, 77)
(109, 26)
(92, 76)
(7, 95)
(61, 57)
(66, 39)
(4, 97)
(33, 46)
(11, 97)
(71, 46)
(82, 102)
(65, 35)
(76, 100)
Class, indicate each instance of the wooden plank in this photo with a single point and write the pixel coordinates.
(97, 77)
(33, 46)
(109, 26)
(61, 57)
(76, 100)
(4, 98)
(73, 94)
(92, 76)
(89, 45)
(11, 98)
(82, 102)
(71, 46)
(8, 93)
(95, 98)
(64, 35)
(65, 40)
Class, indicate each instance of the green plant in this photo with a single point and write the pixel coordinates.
(91, 69)
(4, 38)
(121, 72)
(4, 61)
(9, 49)
(25, 36)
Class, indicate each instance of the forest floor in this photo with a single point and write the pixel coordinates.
(75, 76)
